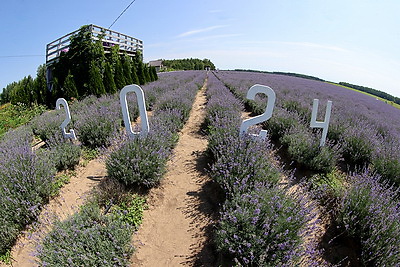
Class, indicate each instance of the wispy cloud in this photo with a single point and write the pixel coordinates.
(299, 44)
(218, 36)
(315, 45)
(207, 29)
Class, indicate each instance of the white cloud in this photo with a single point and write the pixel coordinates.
(192, 32)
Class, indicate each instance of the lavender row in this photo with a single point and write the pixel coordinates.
(26, 182)
(369, 211)
(130, 163)
(369, 138)
(259, 224)
(142, 161)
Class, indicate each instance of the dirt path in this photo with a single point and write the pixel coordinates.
(176, 225)
(71, 196)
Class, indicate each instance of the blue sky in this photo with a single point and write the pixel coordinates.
(346, 40)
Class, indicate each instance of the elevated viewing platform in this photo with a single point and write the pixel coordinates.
(109, 38)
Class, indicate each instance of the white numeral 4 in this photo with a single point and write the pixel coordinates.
(321, 124)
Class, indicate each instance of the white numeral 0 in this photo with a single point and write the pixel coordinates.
(255, 89)
(142, 110)
(62, 102)
(321, 124)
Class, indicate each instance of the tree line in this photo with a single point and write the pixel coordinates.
(188, 64)
(372, 91)
(85, 69)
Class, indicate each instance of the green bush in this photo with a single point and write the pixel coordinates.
(388, 167)
(304, 148)
(140, 161)
(369, 211)
(261, 228)
(357, 150)
(88, 238)
(65, 155)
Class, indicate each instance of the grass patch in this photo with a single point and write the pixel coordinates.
(374, 96)
(13, 116)
(88, 154)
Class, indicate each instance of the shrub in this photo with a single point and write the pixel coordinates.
(88, 238)
(280, 123)
(261, 228)
(357, 150)
(48, 124)
(242, 162)
(140, 161)
(64, 153)
(304, 148)
(370, 210)
(25, 184)
(97, 125)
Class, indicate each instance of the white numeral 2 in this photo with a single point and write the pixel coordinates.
(62, 102)
(255, 89)
(321, 124)
(142, 110)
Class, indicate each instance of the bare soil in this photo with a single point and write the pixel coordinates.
(71, 196)
(177, 226)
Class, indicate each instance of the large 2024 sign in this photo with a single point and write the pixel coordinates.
(251, 93)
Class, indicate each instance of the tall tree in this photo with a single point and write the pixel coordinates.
(95, 83)
(119, 77)
(83, 52)
(109, 83)
(40, 84)
(70, 87)
(135, 79)
(154, 73)
(126, 66)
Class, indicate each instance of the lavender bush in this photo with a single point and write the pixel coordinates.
(25, 184)
(47, 125)
(88, 238)
(370, 211)
(98, 123)
(64, 153)
(140, 161)
(261, 228)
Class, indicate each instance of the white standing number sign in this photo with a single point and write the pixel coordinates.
(142, 110)
(321, 124)
(253, 91)
(62, 102)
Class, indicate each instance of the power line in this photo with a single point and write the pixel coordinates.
(121, 14)
(9, 56)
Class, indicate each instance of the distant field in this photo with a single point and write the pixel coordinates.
(377, 97)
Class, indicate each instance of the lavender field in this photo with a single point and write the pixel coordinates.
(350, 185)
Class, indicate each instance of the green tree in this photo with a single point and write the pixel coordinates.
(154, 73)
(82, 53)
(70, 87)
(108, 80)
(95, 84)
(41, 84)
(146, 73)
(135, 79)
(127, 69)
(119, 77)
(23, 92)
